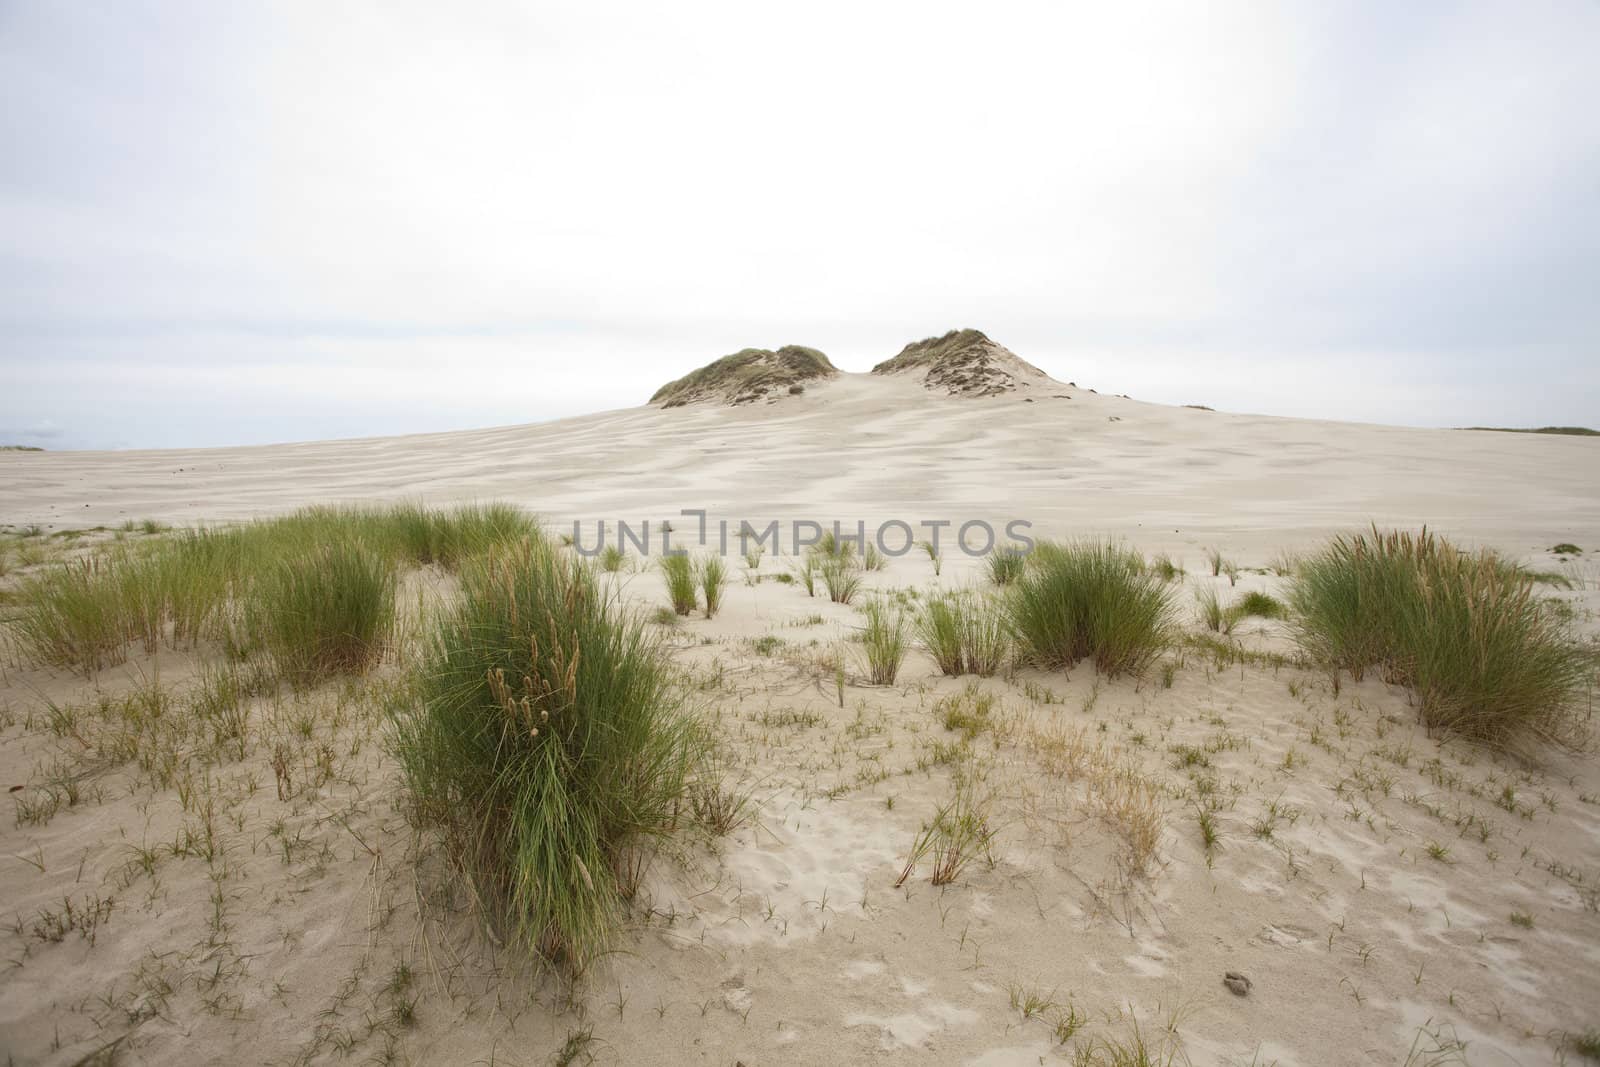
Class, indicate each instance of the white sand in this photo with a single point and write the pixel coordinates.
(874, 448)
(786, 943)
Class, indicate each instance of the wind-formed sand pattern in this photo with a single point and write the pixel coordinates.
(1129, 798)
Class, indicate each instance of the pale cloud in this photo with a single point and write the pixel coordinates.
(240, 223)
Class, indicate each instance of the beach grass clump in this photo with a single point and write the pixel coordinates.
(831, 545)
(327, 612)
(1165, 568)
(883, 640)
(545, 742)
(1005, 566)
(1463, 630)
(1259, 605)
(805, 572)
(712, 575)
(841, 576)
(183, 588)
(457, 534)
(1213, 615)
(965, 633)
(1090, 600)
(959, 833)
(71, 617)
(679, 572)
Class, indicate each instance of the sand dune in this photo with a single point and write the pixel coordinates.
(1368, 877)
(877, 447)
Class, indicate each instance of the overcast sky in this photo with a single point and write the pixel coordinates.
(228, 223)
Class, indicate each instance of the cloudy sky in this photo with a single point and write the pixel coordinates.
(231, 223)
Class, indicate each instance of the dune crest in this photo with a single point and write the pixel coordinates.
(965, 363)
(749, 375)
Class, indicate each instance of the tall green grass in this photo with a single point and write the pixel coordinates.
(1005, 566)
(72, 617)
(713, 576)
(1090, 600)
(841, 575)
(183, 588)
(329, 611)
(965, 633)
(679, 573)
(883, 641)
(1484, 655)
(545, 738)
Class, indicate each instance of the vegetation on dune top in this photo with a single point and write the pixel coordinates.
(962, 362)
(747, 376)
(932, 350)
(1566, 431)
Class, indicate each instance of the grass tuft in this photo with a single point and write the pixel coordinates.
(965, 633)
(1005, 566)
(325, 613)
(679, 572)
(1091, 600)
(544, 739)
(1462, 629)
(883, 641)
(713, 577)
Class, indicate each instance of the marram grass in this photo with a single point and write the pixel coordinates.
(1089, 600)
(323, 613)
(184, 588)
(883, 640)
(544, 739)
(965, 633)
(1485, 657)
(679, 573)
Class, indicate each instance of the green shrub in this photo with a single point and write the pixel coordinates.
(544, 740)
(327, 612)
(1090, 599)
(883, 641)
(679, 573)
(713, 575)
(1464, 630)
(964, 633)
(613, 559)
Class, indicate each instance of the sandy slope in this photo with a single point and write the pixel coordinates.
(1365, 879)
(875, 448)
